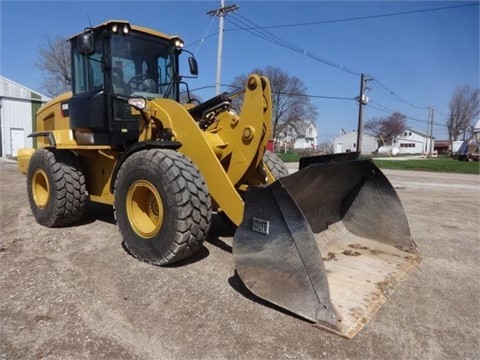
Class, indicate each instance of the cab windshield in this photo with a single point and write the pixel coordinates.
(142, 65)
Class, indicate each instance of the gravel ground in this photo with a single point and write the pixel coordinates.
(75, 293)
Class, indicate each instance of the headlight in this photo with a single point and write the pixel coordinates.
(138, 103)
(114, 28)
(178, 43)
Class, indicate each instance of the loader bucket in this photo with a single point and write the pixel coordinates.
(328, 243)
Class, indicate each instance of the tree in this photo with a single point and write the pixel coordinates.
(185, 97)
(387, 128)
(464, 107)
(290, 105)
(55, 62)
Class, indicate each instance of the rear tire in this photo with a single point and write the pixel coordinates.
(162, 206)
(56, 188)
(275, 165)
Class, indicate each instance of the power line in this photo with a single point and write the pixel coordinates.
(283, 43)
(379, 85)
(389, 111)
(242, 22)
(278, 41)
(326, 97)
(368, 17)
(172, 13)
(385, 109)
(390, 93)
(258, 31)
(247, 25)
(204, 37)
(201, 40)
(165, 8)
(315, 96)
(441, 113)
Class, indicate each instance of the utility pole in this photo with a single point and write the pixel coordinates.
(221, 12)
(428, 132)
(429, 146)
(430, 153)
(362, 101)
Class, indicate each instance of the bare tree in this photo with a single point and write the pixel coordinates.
(290, 104)
(55, 62)
(388, 127)
(186, 97)
(464, 108)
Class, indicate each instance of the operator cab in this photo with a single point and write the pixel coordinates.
(112, 63)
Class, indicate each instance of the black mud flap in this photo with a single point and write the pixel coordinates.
(328, 243)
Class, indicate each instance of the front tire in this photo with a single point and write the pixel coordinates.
(162, 206)
(56, 188)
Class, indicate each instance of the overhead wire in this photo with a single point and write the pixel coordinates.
(382, 87)
(259, 31)
(316, 96)
(281, 93)
(265, 35)
(204, 36)
(242, 22)
(379, 85)
(441, 113)
(166, 9)
(368, 17)
(385, 109)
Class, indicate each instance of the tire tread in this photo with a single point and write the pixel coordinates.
(193, 204)
(69, 187)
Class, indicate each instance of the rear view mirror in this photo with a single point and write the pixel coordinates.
(192, 63)
(86, 44)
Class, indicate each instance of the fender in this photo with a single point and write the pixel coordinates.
(144, 145)
(48, 134)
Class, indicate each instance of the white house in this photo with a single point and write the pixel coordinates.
(412, 142)
(348, 143)
(298, 135)
(18, 108)
(306, 136)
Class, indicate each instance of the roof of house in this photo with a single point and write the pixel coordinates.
(4, 94)
(364, 135)
(419, 133)
(303, 126)
(300, 127)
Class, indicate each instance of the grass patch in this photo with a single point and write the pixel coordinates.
(441, 164)
(289, 157)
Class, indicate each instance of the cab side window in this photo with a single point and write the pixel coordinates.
(88, 72)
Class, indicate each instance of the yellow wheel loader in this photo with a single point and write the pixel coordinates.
(328, 243)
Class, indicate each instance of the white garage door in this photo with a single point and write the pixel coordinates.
(17, 139)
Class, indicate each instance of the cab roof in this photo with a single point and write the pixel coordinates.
(133, 27)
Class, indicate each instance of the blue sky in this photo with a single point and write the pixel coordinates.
(417, 58)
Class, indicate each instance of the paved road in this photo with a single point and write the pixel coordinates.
(74, 293)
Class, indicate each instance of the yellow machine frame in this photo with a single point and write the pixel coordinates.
(241, 139)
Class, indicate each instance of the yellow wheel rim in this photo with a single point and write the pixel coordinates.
(40, 188)
(144, 209)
